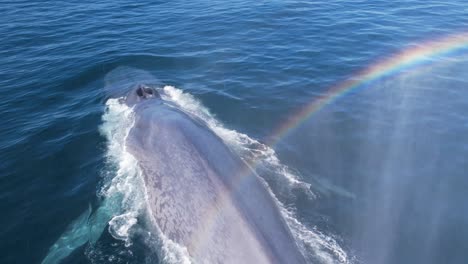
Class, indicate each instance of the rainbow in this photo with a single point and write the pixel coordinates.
(421, 54)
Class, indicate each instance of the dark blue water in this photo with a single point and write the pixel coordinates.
(387, 163)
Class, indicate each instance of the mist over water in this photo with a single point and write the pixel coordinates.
(416, 181)
(401, 156)
(378, 176)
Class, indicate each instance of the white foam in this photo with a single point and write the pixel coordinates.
(173, 252)
(120, 190)
(316, 246)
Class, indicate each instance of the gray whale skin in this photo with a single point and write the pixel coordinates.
(201, 195)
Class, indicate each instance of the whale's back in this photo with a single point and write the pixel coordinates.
(204, 197)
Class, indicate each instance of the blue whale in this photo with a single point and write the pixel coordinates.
(199, 193)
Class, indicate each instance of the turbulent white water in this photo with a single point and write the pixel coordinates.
(123, 187)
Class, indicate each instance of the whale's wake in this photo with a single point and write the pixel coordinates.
(125, 201)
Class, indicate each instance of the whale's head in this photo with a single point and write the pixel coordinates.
(140, 93)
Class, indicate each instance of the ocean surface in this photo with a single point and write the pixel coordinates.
(376, 175)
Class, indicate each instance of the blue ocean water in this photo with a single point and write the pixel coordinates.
(386, 164)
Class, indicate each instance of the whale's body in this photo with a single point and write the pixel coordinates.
(201, 195)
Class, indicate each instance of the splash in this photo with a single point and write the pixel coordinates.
(122, 199)
(419, 55)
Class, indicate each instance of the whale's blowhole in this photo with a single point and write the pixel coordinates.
(144, 91)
